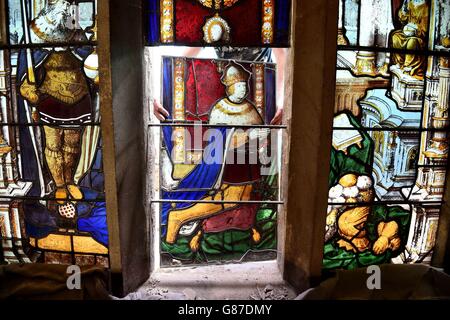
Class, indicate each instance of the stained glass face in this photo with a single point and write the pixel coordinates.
(57, 21)
(390, 134)
(52, 181)
(217, 22)
(219, 162)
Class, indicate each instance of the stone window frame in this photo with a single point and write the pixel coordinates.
(309, 88)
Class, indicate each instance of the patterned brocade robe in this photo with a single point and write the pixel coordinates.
(241, 217)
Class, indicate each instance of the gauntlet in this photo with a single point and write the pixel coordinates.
(388, 237)
(30, 92)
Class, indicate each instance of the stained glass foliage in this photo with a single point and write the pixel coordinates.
(51, 182)
(218, 22)
(219, 162)
(390, 134)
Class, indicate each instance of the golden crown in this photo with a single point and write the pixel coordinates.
(234, 74)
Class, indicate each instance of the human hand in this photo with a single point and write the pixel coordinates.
(278, 117)
(159, 111)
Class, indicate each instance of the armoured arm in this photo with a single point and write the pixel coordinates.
(388, 237)
(30, 91)
(351, 219)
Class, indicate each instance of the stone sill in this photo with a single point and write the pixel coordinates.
(244, 281)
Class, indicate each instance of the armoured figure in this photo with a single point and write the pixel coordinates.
(61, 95)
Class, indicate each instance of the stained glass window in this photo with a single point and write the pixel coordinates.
(390, 132)
(219, 162)
(217, 22)
(51, 174)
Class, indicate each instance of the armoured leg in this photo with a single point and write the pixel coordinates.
(71, 153)
(54, 158)
(204, 210)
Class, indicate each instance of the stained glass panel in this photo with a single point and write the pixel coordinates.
(397, 24)
(383, 237)
(53, 22)
(219, 161)
(440, 26)
(388, 97)
(203, 23)
(51, 181)
(390, 138)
